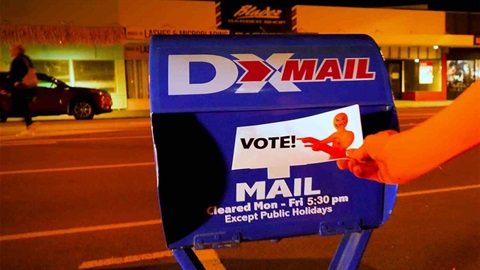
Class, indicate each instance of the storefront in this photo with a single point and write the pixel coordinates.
(431, 73)
(136, 54)
(79, 56)
(415, 72)
(109, 49)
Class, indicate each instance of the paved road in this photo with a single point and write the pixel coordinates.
(83, 195)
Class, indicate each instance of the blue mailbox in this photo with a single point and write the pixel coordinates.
(241, 127)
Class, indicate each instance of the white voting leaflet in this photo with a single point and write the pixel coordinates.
(314, 139)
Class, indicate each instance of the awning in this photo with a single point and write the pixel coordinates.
(61, 35)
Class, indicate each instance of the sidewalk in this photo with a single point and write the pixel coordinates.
(398, 104)
(421, 104)
(139, 118)
(11, 130)
(123, 113)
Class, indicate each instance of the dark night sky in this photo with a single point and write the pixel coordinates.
(441, 5)
(362, 3)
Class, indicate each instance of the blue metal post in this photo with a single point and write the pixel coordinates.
(350, 250)
(187, 259)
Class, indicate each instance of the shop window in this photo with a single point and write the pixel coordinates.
(423, 75)
(137, 79)
(56, 68)
(460, 75)
(94, 74)
(88, 70)
(477, 69)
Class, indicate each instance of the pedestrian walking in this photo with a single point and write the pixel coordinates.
(21, 83)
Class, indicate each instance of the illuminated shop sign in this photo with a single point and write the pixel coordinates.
(138, 33)
(246, 16)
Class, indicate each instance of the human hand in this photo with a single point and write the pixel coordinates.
(4, 93)
(369, 161)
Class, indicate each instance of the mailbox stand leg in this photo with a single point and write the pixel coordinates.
(350, 250)
(187, 259)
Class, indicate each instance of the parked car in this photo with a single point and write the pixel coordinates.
(55, 97)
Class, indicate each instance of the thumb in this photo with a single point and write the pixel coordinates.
(359, 154)
(342, 164)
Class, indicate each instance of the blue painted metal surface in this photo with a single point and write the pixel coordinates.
(209, 92)
(350, 251)
(187, 259)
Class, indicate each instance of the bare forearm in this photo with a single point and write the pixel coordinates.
(440, 138)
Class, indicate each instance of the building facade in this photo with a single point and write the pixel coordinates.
(104, 44)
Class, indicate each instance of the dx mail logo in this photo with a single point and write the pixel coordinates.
(279, 70)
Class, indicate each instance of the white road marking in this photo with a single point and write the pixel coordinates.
(39, 141)
(10, 237)
(103, 138)
(208, 257)
(440, 190)
(78, 168)
(40, 134)
(153, 222)
(127, 259)
(211, 260)
(27, 142)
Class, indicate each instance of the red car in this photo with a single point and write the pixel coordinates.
(54, 97)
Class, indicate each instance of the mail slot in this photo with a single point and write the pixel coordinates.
(246, 132)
